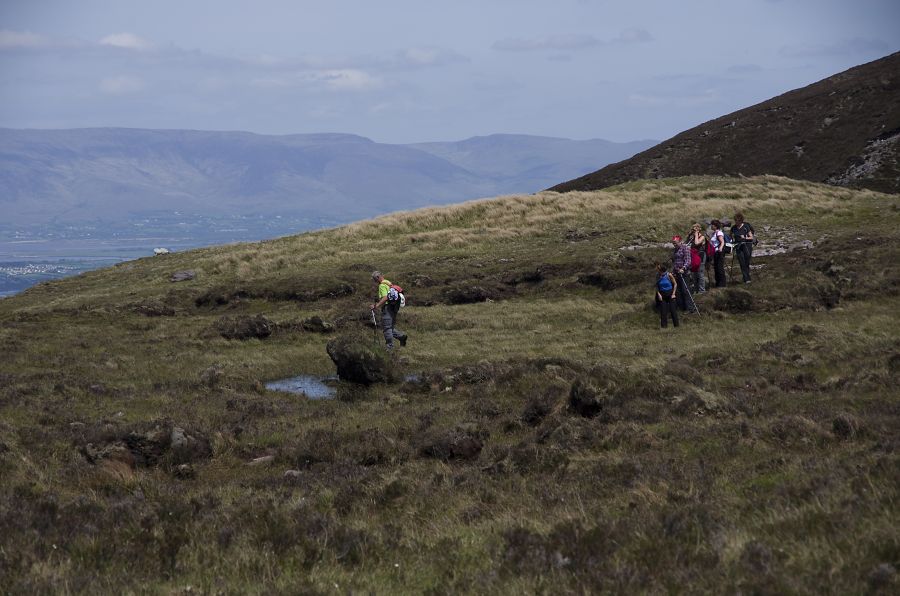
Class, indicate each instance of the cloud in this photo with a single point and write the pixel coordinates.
(337, 79)
(676, 101)
(126, 40)
(745, 68)
(22, 39)
(570, 42)
(121, 85)
(426, 57)
(847, 47)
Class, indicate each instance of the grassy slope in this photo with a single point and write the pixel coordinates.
(765, 464)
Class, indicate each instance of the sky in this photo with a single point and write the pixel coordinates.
(402, 71)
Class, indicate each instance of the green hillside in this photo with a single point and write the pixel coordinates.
(549, 437)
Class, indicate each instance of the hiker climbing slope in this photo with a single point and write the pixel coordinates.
(389, 300)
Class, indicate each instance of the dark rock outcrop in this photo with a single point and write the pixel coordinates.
(360, 362)
(583, 400)
(244, 327)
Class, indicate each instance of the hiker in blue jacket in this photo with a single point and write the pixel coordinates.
(665, 296)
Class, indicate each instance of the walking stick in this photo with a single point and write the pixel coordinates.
(688, 290)
(374, 328)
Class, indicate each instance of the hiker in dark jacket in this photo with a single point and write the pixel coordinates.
(681, 264)
(666, 290)
(742, 234)
(389, 311)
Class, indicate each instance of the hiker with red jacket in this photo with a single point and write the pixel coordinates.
(389, 300)
(681, 264)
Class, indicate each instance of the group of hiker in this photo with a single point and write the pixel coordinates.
(692, 259)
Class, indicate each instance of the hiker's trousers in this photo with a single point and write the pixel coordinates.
(388, 320)
(719, 268)
(744, 253)
(667, 308)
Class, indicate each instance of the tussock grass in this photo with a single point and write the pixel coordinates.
(751, 450)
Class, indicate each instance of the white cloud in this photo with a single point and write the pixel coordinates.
(336, 79)
(348, 79)
(22, 39)
(121, 85)
(126, 40)
(681, 101)
(569, 42)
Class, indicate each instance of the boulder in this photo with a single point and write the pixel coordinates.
(358, 361)
(316, 324)
(244, 327)
(583, 400)
(182, 276)
(734, 300)
(460, 444)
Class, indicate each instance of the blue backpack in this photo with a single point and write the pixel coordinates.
(664, 284)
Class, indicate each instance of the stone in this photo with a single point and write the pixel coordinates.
(358, 362)
(182, 276)
(184, 472)
(583, 400)
(316, 324)
(243, 327)
(261, 461)
(292, 474)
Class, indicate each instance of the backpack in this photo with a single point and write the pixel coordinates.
(395, 296)
(695, 260)
(710, 251)
(729, 243)
(664, 284)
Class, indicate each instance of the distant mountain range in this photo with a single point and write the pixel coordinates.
(112, 174)
(844, 130)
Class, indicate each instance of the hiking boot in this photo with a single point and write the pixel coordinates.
(403, 339)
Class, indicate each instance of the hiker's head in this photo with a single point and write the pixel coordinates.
(738, 218)
(377, 276)
(660, 268)
(676, 239)
(696, 227)
(716, 224)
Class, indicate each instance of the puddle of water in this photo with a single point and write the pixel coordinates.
(311, 386)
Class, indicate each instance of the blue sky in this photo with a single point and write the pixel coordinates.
(407, 71)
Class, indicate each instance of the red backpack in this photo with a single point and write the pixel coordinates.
(695, 260)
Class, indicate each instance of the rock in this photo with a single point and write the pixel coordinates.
(292, 474)
(244, 327)
(583, 400)
(460, 443)
(845, 426)
(261, 461)
(882, 578)
(188, 448)
(468, 295)
(161, 251)
(734, 300)
(77, 425)
(184, 472)
(182, 276)
(315, 324)
(598, 280)
(211, 376)
(358, 362)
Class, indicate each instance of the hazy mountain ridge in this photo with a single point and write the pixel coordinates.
(112, 173)
(843, 130)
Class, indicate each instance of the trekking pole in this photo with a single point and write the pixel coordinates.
(374, 328)
(688, 290)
